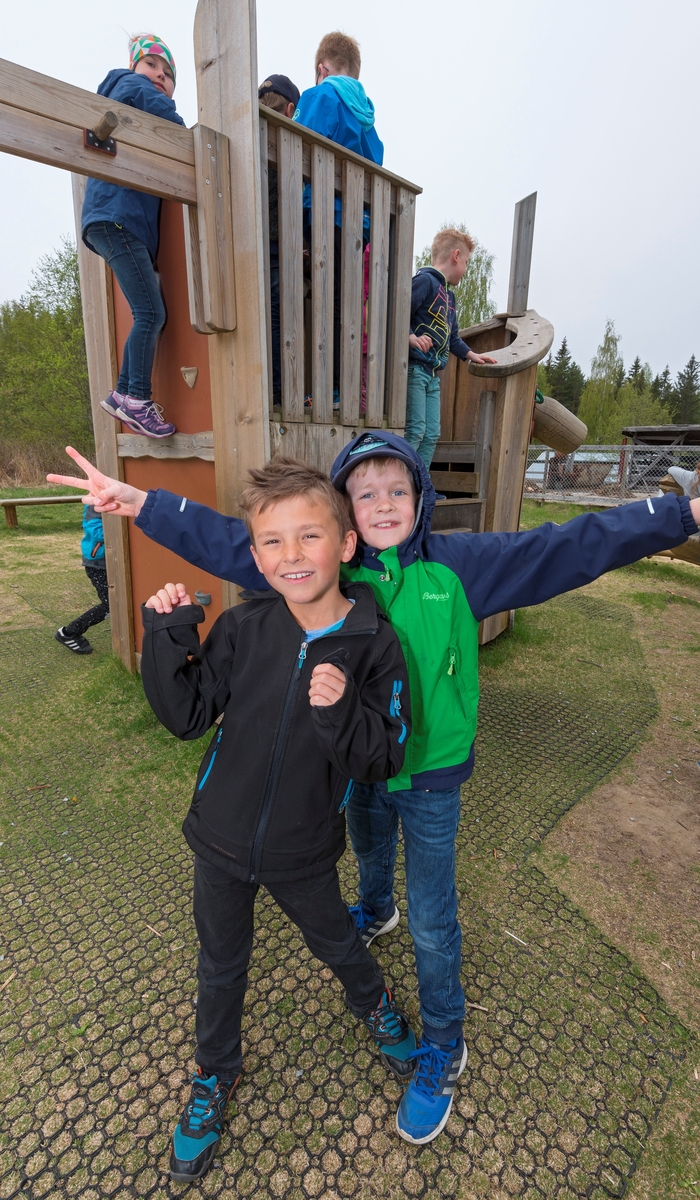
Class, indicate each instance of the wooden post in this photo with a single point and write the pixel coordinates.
(521, 254)
(98, 319)
(378, 300)
(291, 251)
(351, 283)
(400, 318)
(322, 272)
(227, 93)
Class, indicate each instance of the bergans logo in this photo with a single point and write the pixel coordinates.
(436, 595)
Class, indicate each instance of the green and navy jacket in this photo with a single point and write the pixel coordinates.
(436, 588)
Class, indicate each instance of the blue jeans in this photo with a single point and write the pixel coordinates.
(132, 265)
(429, 822)
(422, 412)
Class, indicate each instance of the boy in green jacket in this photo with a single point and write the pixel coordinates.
(435, 588)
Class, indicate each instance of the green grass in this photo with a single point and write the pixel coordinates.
(52, 518)
(574, 1038)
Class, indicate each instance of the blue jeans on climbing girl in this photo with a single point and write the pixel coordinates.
(131, 262)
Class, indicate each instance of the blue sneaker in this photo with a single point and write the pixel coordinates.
(394, 1036)
(427, 1101)
(368, 922)
(198, 1132)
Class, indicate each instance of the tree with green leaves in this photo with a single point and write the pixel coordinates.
(44, 390)
(565, 378)
(611, 400)
(686, 402)
(473, 303)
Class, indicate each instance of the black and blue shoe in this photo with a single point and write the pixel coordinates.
(198, 1132)
(427, 1101)
(394, 1036)
(369, 925)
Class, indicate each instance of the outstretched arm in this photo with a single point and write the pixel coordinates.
(207, 539)
(500, 571)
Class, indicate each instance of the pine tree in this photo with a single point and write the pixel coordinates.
(661, 388)
(637, 376)
(686, 407)
(566, 379)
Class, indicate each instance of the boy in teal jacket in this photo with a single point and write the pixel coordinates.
(435, 588)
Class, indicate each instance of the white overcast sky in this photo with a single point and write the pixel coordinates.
(591, 103)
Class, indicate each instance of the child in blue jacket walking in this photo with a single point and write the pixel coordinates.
(92, 548)
(121, 225)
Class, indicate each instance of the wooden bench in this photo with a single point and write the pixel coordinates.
(11, 506)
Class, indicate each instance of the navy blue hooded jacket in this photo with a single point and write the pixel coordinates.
(492, 572)
(433, 312)
(136, 211)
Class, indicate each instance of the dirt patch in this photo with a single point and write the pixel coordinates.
(629, 853)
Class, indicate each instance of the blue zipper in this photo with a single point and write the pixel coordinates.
(395, 708)
(205, 776)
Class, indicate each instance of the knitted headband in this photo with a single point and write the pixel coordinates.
(149, 43)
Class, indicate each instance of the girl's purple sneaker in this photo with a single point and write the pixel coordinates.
(112, 404)
(143, 416)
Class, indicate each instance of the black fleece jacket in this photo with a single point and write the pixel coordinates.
(271, 790)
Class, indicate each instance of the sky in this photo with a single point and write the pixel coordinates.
(593, 105)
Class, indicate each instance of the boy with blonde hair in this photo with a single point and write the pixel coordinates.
(311, 681)
(434, 336)
(435, 589)
(337, 105)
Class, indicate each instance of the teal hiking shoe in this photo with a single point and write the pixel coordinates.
(427, 1101)
(198, 1132)
(369, 925)
(394, 1036)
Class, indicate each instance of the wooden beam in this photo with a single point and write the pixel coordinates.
(193, 264)
(100, 345)
(291, 250)
(59, 145)
(42, 96)
(317, 139)
(521, 254)
(400, 317)
(265, 201)
(322, 273)
(180, 445)
(378, 296)
(214, 219)
(227, 92)
(455, 481)
(351, 293)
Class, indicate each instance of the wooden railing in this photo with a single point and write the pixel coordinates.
(310, 172)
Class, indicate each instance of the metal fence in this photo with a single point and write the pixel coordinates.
(606, 475)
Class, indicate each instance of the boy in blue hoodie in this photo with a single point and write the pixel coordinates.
(121, 225)
(434, 336)
(339, 108)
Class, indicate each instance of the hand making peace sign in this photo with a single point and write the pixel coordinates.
(107, 495)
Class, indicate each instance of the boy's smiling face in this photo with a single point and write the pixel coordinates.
(298, 547)
(383, 500)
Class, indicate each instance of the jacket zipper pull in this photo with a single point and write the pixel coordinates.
(453, 658)
(302, 654)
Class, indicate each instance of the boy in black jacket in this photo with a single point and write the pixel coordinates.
(311, 681)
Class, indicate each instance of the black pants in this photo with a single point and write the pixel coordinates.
(93, 616)
(223, 915)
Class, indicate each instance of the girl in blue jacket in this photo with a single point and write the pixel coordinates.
(121, 225)
(92, 548)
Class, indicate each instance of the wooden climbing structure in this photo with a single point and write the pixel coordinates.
(213, 364)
